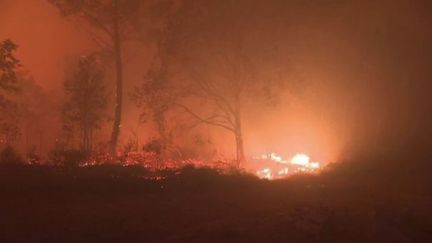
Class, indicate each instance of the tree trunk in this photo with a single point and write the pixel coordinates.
(86, 140)
(240, 156)
(119, 83)
(159, 118)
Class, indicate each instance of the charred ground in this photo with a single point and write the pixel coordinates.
(112, 203)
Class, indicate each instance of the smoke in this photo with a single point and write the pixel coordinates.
(358, 78)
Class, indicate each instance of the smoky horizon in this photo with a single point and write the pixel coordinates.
(331, 79)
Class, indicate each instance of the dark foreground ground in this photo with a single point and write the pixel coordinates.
(115, 204)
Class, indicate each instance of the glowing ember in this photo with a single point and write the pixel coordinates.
(314, 165)
(265, 173)
(267, 166)
(276, 157)
(283, 172)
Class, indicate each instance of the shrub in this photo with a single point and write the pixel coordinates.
(32, 156)
(8, 155)
(68, 157)
(154, 146)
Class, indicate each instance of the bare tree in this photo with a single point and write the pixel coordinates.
(114, 22)
(224, 98)
(86, 100)
(223, 62)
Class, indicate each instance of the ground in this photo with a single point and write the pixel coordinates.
(116, 204)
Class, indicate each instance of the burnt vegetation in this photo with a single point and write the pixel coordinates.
(115, 203)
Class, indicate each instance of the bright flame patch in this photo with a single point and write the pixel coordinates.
(300, 159)
(272, 166)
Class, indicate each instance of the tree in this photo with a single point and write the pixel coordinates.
(114, 22)
(225, 59)
(8, 66)
(86, 100)
(8, 84)
(155, 97)
(9, 122)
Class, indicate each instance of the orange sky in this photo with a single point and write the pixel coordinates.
(44, 38)
(334, 50)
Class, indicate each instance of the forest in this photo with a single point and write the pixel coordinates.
(215, 121)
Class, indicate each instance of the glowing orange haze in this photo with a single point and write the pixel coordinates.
(44, 39)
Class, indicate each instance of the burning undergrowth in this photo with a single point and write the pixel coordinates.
(268, 166)
(272, 166)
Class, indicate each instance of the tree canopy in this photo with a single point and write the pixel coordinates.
(223, 57)
(86, 100)
(8, 65)
(116, 21)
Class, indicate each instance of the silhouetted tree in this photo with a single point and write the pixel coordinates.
(8, 155)
(114, 22)
(86, 100)
(9, 122)
(155, 97)
(38, 112)
(8, 84)
(223, 61)
(8, 66)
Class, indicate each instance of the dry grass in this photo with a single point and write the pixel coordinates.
(115, 204)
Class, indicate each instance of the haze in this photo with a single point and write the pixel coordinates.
(358, 71)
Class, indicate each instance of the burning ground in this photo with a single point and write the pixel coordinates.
(115, 203)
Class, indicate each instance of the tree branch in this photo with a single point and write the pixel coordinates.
(205, 120)
(98, 23)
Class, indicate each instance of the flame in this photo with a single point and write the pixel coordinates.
(268, 166)
(300, 159)
(283, 171)
(265, 173)
(279, 168)
(276, 158)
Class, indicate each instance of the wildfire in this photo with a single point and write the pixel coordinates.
(300, 159)
(275, 167)
(267, 166)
